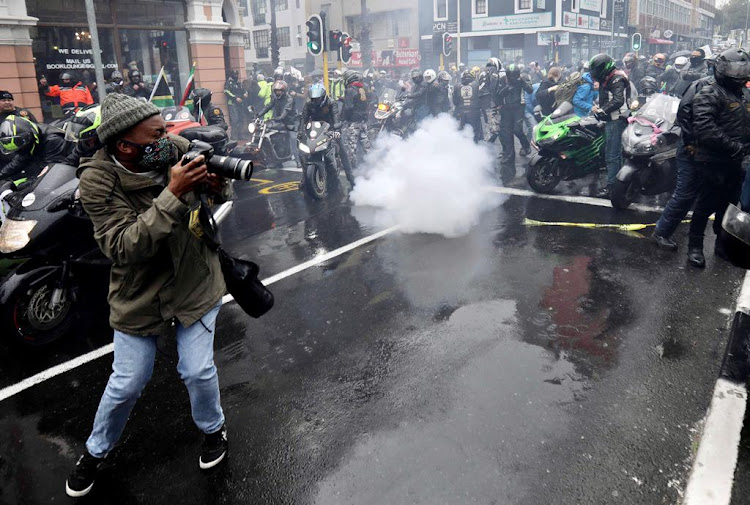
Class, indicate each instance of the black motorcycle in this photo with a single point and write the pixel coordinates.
(321, 164)
(269, 145)
(649, 148)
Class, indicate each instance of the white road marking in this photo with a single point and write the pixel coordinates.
(25, 384)
(586, 200)
(712, 475)
(292, 169)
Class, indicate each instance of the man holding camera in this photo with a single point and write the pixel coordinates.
(163, 281)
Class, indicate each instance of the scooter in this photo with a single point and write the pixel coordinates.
(649, 148)
(569, 147)
(268, 147)
(321, 164)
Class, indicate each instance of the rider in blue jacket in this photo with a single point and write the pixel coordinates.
(585, 96)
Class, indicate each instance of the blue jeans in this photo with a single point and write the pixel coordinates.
(529, 122)
(613, 148)
(685, 192)
(131, 371)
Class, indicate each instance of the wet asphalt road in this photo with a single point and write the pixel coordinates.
(516, 365)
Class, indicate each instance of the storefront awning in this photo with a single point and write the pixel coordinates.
(665, 42)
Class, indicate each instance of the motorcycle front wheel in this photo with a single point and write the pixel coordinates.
(316, 180)
(543, 174)
(32, 320)
(624, 193)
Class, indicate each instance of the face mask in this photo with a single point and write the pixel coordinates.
(155, 156)
(696, 60)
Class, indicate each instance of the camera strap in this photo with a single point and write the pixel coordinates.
(202, 223)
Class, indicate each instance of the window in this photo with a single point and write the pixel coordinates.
(258, 8)
(440, 10)
(394, 24)
(282, 35)
(522, 6)
(260, 39)
(479, 7)
(575, 5)
(299, 35)
(282, 5)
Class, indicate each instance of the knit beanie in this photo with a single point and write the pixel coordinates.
(120, 113)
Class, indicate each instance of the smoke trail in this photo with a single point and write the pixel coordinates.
(429, 183)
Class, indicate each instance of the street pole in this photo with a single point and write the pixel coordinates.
(365, 43)
(324, 41)
(274, 39)
(747, 13)
(458, 34)
(101, 87)
(442, 67)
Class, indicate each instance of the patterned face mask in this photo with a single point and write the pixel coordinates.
(155, 156)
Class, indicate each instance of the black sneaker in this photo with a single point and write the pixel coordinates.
(214, 449)
(696, 257)
(664, 242)
(81, 480)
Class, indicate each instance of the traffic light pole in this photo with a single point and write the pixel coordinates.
(326, 83)
(442, 67)
(324, 36)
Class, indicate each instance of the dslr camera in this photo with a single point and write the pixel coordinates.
(225, 166)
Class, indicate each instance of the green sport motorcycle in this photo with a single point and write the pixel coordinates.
(569, 147)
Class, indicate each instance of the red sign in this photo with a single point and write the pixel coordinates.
(389, 58)
(403, 42)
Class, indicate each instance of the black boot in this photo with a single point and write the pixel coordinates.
(696, 257)
(664, 242)
(605, 192)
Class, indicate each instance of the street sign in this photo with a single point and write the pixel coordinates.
(668, 34)
(610, 43)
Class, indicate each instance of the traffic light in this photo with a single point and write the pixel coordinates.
(334, 40)
(447, 44)
(345, 51)
(636, 42)
(315, 39)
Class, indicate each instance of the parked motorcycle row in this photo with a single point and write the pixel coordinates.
(570, 147)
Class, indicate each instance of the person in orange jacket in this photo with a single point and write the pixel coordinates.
(71, 96)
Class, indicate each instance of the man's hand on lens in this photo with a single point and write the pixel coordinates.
(215, 183)
(185, 178)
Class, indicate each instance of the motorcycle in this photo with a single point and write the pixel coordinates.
(180, 121)
(48, 241)
(321, 164)
(268, 147)
(390, 115)
(649, 148)
(569, 147)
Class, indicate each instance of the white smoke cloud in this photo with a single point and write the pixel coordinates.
(431, 182)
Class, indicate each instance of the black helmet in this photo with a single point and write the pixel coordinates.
(467, 77)
(202, 97)
(734, 238)
(351, 76)
(135, 76)
(116, 75)
(66, 77)
(648, 86)
(732, 68)
(513, 71)
(601, 66)
(18, 134)
(416, 76)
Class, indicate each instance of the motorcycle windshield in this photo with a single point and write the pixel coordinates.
(316, 134)
(178, 114)
(388, 96)
(57, 181)
(661, 110)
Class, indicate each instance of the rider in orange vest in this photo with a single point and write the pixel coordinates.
(71, 96)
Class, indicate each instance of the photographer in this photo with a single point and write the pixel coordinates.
(163, 279)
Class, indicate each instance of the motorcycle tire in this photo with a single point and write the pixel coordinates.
(316, 181)
(623, 193)
(30, 322)
(542, 176)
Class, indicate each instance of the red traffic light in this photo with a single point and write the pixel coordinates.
(347, 42)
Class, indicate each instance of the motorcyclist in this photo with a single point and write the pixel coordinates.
(647, 87)
(657, 66)
(354, 115)
(633, 68)
(321, 108)
(136, 87)
(467, 106)
(8, 107)
(81, 131)
(488, 81)
(32, 146)
(697, 69)
(545, 95)
(205, 111)
(116, 83)
(614, 98)
(283, 113)
(235, 95)
(71, 95)
(440, 99)
(511, 100)
(416, 100)
(721, 127)
(671, 75)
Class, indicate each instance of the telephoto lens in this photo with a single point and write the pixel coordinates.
(231, 168)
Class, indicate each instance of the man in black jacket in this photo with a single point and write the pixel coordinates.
(283, 114)
(468, 105)
(697, 69)
(511, 99)
(30, 147)
(721, 127)
(354, 118)
(614, 95)
(545, 95)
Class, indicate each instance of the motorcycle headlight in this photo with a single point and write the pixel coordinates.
(304, 148)
(251, 127)
(14, 235)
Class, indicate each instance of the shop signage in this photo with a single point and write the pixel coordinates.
(575, 20)
(569, 19)
(512, 22)
(591, 5)
(545, 38)
(445, 26)
(389, 58)
(73, 59)
(606, 25)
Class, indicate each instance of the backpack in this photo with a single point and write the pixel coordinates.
(567, 90)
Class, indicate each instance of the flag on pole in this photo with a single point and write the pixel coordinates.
(161, 95)
(187, 96)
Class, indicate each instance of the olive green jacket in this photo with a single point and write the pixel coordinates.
(160, 270)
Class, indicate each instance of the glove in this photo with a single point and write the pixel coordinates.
(336, 135)
(601, 115)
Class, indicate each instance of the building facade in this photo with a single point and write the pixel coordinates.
(44, 38)
(523, 30)
(394, 30)
(290, 31)
(671, 25)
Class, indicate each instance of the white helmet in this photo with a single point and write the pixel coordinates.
(495, 62)
(680, 62)
(429, 75)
